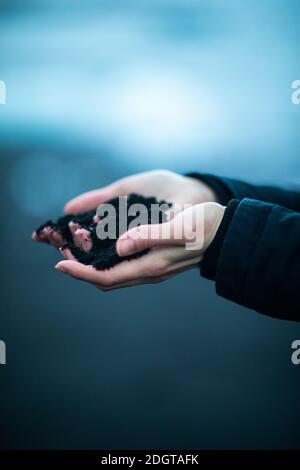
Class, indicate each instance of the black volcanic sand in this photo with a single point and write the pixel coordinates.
(99, 253)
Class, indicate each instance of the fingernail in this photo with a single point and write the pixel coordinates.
(58, 267)
(126, 247)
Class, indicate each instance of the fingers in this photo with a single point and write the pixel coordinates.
(92, 199)
(125, 272)
(49, 235)
(146, 236)
(184, 228)
(156, 266)
(174, 210)
(66, 253)
(77, 270)
(81, 237)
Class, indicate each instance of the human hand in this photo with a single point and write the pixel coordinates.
(170, 250)
(162, 184)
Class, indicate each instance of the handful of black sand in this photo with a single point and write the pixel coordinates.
(78, 233)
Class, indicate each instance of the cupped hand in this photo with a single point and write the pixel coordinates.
(162, 184)
(175, 246)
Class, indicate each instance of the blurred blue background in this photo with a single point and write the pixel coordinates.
(97, 90)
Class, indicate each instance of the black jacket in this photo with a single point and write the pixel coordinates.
(255, 256)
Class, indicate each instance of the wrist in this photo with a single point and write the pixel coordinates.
(217, 187)
(211, 258)
(203, 192)
(213, 216)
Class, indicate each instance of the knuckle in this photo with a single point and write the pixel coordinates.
(103, 287)
(163, 265)
(107, 283)
(150, 271)
(157, 269)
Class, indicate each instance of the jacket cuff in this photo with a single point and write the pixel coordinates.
(211, 258)
(238, 250)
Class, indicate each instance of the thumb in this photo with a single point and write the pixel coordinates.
(179, 231)
(143, 237)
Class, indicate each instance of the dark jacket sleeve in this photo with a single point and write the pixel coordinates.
(255, 258)
(228, 188)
